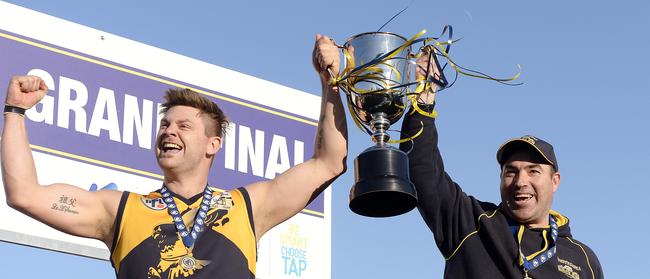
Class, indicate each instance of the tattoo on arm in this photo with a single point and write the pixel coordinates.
(319, 139)
(65, 204)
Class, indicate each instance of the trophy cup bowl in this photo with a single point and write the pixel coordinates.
(377, 98)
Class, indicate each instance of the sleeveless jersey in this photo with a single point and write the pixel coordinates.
(147, 244)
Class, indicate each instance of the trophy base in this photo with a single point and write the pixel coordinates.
(382, 186)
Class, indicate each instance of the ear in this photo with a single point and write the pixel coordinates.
(214, 145)
(555, 179)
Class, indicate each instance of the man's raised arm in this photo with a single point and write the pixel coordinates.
(287, 194)
(441, 202)
(64, 207)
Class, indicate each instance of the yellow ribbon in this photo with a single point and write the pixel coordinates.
(352, 75)
(411, 137)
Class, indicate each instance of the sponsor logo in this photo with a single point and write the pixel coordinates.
(569, 269)
(529, 139)
(222, 201)
(155, 203)
(294, 251)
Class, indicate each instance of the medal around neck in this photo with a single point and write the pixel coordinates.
(188, 236)
(531, 262)
(379, 84)
(188, 262)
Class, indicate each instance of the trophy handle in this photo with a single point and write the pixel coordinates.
(335, 76)
(438, 79)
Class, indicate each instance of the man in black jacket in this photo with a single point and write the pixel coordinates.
(519, 238)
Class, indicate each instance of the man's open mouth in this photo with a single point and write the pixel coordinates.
(170, 147)
(522, 197)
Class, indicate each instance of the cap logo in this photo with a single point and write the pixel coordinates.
(529, 139)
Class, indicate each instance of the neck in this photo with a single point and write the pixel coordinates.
(186, 188)
(187, 182)
(542, 222)
(538, 224)
(535, 223)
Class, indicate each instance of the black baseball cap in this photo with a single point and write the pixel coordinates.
(527, 142)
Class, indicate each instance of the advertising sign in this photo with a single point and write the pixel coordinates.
(96, 129)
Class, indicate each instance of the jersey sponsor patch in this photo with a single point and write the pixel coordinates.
(222, 201)
(155, 203)
(569, 269)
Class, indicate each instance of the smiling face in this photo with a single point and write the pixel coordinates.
(527, 187)
(183, 143)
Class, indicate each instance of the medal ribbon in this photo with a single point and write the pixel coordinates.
(189, 237)
(538, 258)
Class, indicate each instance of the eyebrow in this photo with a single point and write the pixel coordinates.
(533, 165)
(185, 120)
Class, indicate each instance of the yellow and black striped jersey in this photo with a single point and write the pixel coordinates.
(147, 244)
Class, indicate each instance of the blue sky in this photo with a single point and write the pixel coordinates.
(584, 72)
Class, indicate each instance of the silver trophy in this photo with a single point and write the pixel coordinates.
(377, 86)
(380, 85)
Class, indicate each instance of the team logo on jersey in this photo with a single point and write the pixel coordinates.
(569, 269)
(222, 201)
(155, 203)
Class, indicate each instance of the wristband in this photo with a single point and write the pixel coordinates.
(14, 109)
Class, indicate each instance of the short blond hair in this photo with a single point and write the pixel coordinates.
(186, 97)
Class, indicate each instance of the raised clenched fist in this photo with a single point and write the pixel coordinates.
(25, 91)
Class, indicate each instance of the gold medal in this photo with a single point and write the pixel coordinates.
(188, 262)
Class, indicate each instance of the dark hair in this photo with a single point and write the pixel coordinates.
(186, 97)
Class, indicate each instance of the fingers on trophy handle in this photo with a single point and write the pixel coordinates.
(332, 75)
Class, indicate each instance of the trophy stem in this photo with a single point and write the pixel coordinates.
(380, 125)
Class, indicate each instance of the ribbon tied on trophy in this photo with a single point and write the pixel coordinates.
(377, 82)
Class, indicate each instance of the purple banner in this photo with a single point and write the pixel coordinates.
(108, 113)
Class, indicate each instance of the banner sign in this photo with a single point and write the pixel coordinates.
(96, 129)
